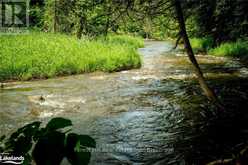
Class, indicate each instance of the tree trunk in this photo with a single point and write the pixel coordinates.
(81, 27)
(108, 21)
(55, 19)
(206, 89)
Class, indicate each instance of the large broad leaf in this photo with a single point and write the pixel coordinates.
(27, 130)
(87, 141)
(50, 149)
(40, 133)
(71, 142)
(2, 138)
(79, 158)
(75, 153)
(21, 141)
(84, 140)
(31, 129)
(1, 149)
(22, 145)
(57, 123)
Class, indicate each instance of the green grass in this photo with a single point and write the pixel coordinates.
(44, 55)
(135, 42)
(233, 49)
(201, 45)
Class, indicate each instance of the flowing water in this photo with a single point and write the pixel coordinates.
(154, 115)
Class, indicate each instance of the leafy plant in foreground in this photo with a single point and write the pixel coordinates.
(49, 145)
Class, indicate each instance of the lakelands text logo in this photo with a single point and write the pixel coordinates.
(14, 17)
(10, 159)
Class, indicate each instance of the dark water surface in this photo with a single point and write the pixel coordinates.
(154, 115)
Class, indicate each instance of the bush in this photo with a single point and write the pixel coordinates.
(44, 55)
(49, 145)
(234, 49)
(201, 45)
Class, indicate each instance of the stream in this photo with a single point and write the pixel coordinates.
(155, 115)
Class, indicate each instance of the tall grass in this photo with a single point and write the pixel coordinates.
(234, 49)
(135, 42)
(201, 45)
(43, 55)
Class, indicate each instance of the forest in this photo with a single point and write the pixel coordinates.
(148, 82)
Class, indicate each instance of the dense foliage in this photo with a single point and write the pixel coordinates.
(48, 145)
(201, 45)
(224, 20)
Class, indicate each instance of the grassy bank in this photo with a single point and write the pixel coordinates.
(42, 55)
(232, 49)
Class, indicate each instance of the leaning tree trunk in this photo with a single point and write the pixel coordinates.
(206, 89)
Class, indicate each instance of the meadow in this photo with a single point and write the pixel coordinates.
(237, 49)
(41, 55)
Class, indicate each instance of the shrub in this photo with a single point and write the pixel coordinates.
(201, 45)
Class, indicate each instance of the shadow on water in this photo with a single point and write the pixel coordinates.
(176, 125)
(216, 134)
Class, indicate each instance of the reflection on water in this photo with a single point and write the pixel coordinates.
(153, 115)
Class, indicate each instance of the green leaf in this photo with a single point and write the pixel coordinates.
(22, 145)
(74, 153)
(50, 149)
(21, 141)
(79, 158)
(87, 141)
(57, 123)
(39, 134)
(27, 130)
(2, 138)
(31, 129)
(71, 142)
